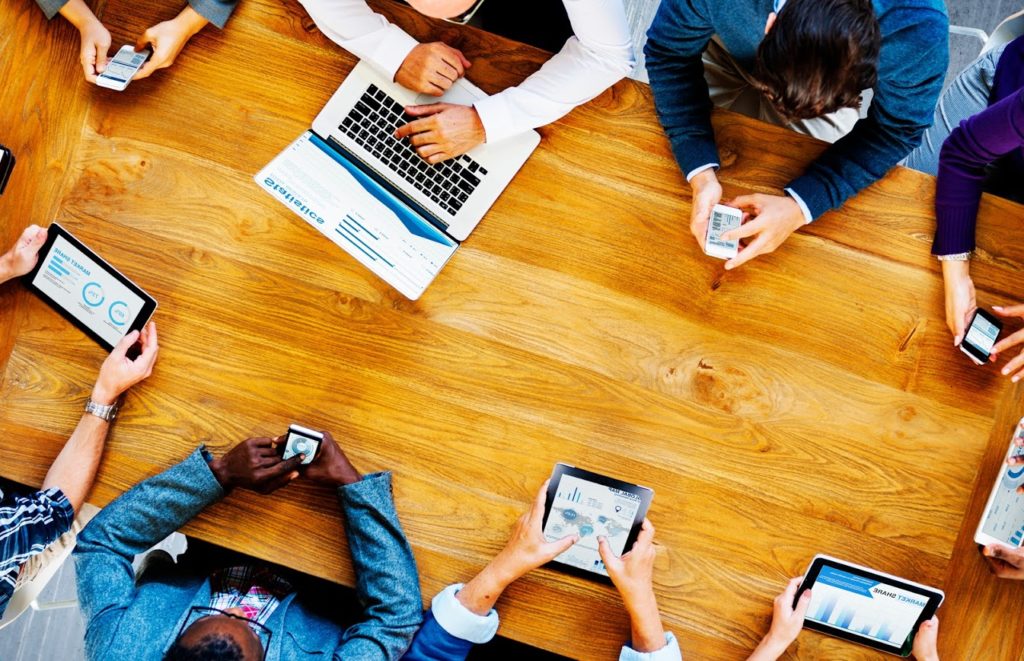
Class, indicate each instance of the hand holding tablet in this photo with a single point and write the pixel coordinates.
(866, 606)
(87, 291)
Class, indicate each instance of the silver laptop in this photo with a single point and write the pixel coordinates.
(409, 216)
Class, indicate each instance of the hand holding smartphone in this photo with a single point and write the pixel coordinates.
(122, 68)
(981, 336)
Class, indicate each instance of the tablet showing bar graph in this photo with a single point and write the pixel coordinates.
(1003, 520)
(865, 606)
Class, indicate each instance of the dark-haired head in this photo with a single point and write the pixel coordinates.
(818, 56)
(216, 638)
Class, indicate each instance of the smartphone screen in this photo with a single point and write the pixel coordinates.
(124, 65)
(982, 334)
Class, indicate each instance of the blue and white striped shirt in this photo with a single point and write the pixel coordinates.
(28, 524)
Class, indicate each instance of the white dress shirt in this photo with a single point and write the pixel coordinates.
(463, 623)
(598, 55)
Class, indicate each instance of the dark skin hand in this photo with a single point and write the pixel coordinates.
(255, 464)
(331, 466)
(235, 629)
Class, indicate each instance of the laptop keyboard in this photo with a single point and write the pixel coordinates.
(372, 124)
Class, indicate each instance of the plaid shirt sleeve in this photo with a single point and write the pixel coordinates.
(28, 524)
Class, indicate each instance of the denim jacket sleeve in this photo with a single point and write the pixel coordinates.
(387, 582)
(137, 520)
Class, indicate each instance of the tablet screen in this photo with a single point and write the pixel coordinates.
(85, 289)
(590, 510)
(864, 606)
(1005, 517)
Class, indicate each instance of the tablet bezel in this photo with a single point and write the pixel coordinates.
(646, 496)
(935, 598)
(145, 312)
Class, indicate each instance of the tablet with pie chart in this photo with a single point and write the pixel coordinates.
(88, 291)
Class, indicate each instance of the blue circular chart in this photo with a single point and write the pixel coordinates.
(92, 294)
(118, 313)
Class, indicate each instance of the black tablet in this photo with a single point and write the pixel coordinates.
(591, 506)
(865, 606)
(87, 291)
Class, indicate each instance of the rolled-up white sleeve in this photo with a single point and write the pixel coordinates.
(670, 652)
(461, 622)
(366, 34)
(598, 55)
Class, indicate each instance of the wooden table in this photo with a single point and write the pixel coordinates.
(809, 402)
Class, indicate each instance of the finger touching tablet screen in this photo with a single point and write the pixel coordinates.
(867, 607)
(87, 291)
(591, 505)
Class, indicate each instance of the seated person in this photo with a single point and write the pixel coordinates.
(983, 150)
(167, 38)
(461, 616)
(233, 613)
(801, 64)
(29, 523)
(788, 622)
(599, 55)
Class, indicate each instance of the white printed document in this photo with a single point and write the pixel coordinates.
(348, 207)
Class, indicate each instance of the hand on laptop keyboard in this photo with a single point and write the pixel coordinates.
(443, 130)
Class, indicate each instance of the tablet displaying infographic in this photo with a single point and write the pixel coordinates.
(869, 607)
(1003, 519)
(87, 290)
(591, 505)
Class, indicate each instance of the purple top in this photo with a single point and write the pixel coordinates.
(993, 133)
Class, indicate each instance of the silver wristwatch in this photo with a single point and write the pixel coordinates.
(958, 257)
(103, 411)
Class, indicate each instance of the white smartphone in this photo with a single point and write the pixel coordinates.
(722, 220)
(1003, 519)
(122, 68)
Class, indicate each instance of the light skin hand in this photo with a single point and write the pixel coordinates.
(707, 192)
(432, 68)
(961, 301)
(23, 255)
(768, 222)
(926, 642)
(119, 372)
(1015, 365)
(1004, 561)
(167, 40)
(75, 467)
(787, 623)
(443, 131)
(94, 38)
(525, 550)
(633, 576)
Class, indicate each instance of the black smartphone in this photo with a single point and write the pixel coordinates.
(981, 336)
(6, 167)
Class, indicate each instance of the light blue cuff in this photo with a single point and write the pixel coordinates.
(670, 652)
(808, 218)
(695, 171)
(461, 622)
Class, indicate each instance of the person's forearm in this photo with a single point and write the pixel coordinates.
(191, 20)
(481, 593)
(648, 635)
(956, 270)
(74, 469)
(77, 13)
(769, 650)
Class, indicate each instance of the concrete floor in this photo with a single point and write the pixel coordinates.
(57, 635)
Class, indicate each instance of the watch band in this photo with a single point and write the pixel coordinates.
(102, 411)
(958, 257)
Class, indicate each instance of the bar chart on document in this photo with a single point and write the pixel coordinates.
(864, 606)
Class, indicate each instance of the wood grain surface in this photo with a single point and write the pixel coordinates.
(810, 402)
